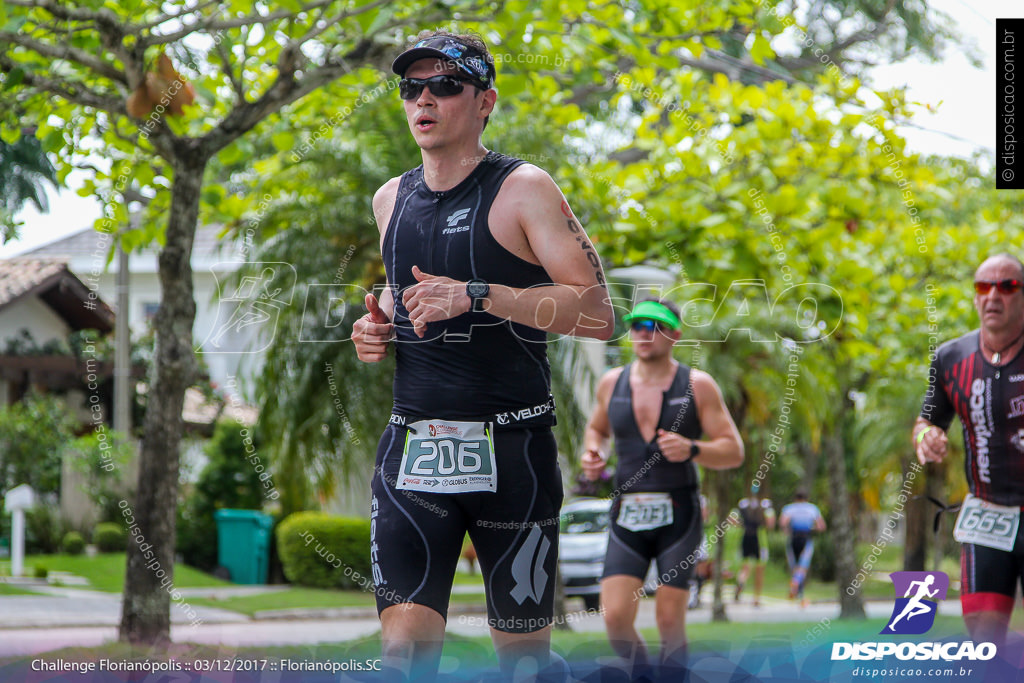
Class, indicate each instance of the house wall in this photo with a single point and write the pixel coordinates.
(35, 316)
(233, 358)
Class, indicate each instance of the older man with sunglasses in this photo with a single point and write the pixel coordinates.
(483, 258)
(979, 377)
(665, 418)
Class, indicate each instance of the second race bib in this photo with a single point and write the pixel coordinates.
(448, 457)
(643, 511)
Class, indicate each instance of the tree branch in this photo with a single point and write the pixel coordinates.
(835, 51)
(719, 62)
(164, 142)
(61, 11)
(163, 18)
(111, 31)
(313, 32)
(72, 92)
(285, 90)
(236, 81)
(212, 24)
(130, 138)
(64, 51)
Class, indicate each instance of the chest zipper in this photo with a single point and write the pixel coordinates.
(438, 196)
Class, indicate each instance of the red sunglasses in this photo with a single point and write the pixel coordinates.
(983, 287)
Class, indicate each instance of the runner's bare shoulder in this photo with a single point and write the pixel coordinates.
(384, 202)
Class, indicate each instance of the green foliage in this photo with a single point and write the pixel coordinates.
(101, 457)
(33, 433)
(319, 405)
(823, 561)
(229, 480)
(109, 537)
(25, 173)
(777, 549)
(73, 543)
(44, 529)
(321, 551)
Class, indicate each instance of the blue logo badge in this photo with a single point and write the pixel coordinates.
(917, 597)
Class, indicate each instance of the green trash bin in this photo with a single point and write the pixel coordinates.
(243, 544)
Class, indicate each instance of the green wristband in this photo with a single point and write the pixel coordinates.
(920, 435)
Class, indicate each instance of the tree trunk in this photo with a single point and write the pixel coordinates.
(811, 462)
(722, 508)
(919, 524)
(145, 616)
(935, 486)
(844, 533)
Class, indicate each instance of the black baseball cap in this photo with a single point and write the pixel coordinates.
(478, 65)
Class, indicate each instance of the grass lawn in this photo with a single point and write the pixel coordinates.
(7, 589)
(105, 571)
(295, 597)
(475, 579)
(776, 577)
(310, 598)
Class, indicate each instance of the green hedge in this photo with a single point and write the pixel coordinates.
(44, 530)
(322, 551)
(110, 537)
(73, 543)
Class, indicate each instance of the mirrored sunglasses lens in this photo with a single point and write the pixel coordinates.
(1008, 286)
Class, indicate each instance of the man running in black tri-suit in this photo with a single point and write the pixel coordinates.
(657, 410)
(979, 378)
(483, 258)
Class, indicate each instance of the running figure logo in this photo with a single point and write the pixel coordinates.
(247, 317)
(914, 613)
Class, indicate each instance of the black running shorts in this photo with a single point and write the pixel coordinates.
(417, 536)
(989, 577)
(674, 546)
(751, 547)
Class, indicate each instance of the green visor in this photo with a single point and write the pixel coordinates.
(652, 310)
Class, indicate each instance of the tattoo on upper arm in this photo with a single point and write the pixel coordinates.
(584, 243)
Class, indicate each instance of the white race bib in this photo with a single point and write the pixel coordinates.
(987, 524)
(448, 457)
(644, 511)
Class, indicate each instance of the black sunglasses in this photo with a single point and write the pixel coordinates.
(983, 287)
(445, 85)
(648, 325)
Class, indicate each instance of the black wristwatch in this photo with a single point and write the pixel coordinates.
(477, 290)
(694, 450)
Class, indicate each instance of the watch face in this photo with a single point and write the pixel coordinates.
(477, 288)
